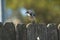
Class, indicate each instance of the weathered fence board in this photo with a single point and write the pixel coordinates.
(31, 32)
(35, 31)
(21, 31)
(52, 32)
(9, 32)
(42, 31)
(59, 32)
(1, 27)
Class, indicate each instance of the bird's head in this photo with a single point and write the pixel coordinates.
(30, 13)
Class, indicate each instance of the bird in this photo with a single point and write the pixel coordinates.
(31, 15)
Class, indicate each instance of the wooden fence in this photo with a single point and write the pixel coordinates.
(29, 32)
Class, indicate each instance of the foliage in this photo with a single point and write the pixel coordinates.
(46, 10)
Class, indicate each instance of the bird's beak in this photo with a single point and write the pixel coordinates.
(27, 12)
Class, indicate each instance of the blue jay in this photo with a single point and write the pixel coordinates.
(31, 15)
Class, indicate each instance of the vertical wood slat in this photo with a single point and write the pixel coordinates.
(36, 30)
(1, 28)
(31, 32)
(42, 31)
(59, 32)
(9, 31)
(52, 32)
(21, 31)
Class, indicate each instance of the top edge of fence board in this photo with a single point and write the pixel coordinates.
(29, 24)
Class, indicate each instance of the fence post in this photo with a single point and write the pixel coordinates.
(42, 31)
(1, 27)
(21, 31)
(59, 32)
(31, 31)
(52, 32)
(9, 31)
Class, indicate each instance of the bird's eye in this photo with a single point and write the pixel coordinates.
(27, 12)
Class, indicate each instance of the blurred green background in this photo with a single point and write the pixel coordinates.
(47, 11)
